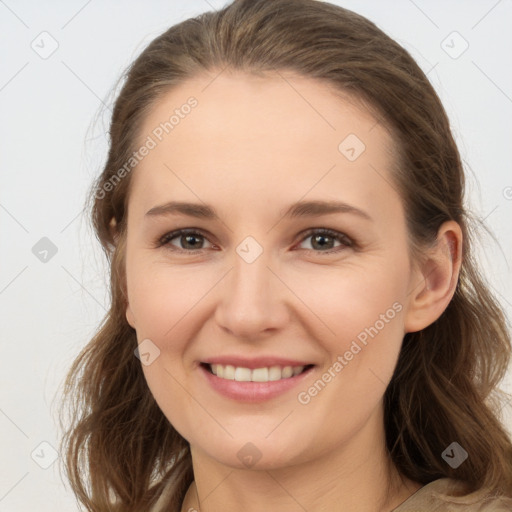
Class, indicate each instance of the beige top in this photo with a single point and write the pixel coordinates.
(427, 499)
(435, 497)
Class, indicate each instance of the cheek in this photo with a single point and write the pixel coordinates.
(353, 303)
(360, 325)
(365, 314)
(164, 302)
(161, 297)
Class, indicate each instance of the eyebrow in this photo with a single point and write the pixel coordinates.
(299, 209)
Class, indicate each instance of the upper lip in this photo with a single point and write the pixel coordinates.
(255, 362)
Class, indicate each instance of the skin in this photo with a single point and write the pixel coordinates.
(251, 147)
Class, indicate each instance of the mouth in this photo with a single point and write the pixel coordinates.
(263, 374)
(253, 385)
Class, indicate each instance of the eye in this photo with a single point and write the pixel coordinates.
(191, 240)
(188, 240)
(323, 239)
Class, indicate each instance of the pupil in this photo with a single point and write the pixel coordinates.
(188, 238)
(318, 238)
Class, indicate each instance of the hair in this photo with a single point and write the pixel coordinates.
(120, 450)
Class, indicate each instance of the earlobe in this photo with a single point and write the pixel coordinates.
(129, 316)
(114, 232)
(438, 277)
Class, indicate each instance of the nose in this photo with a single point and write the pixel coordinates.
(253, 299)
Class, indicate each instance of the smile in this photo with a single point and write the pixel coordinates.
(265, 374)
(256, 384)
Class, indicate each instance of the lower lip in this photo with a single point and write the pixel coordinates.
(252, 391)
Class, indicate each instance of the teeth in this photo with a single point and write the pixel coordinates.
(266, 374)
(243, 374)
(228, 372)
(274, 373)
(286, 372)
(259, 375)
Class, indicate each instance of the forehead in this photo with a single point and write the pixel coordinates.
(279, 107)
(266, 135)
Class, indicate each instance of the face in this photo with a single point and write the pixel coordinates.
(277, 316)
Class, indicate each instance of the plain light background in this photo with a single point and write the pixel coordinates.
(54, 119)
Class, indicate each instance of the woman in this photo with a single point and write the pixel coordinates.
(297, 322)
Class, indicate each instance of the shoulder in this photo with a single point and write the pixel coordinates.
(444, 495)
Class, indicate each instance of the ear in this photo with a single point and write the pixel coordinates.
(129, 316)
(434, 283)
(114, 232)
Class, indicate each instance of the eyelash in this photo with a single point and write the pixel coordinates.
(341, 237)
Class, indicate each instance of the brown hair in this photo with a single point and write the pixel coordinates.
(120, 449)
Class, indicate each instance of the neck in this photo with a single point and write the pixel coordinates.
(356, 476)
